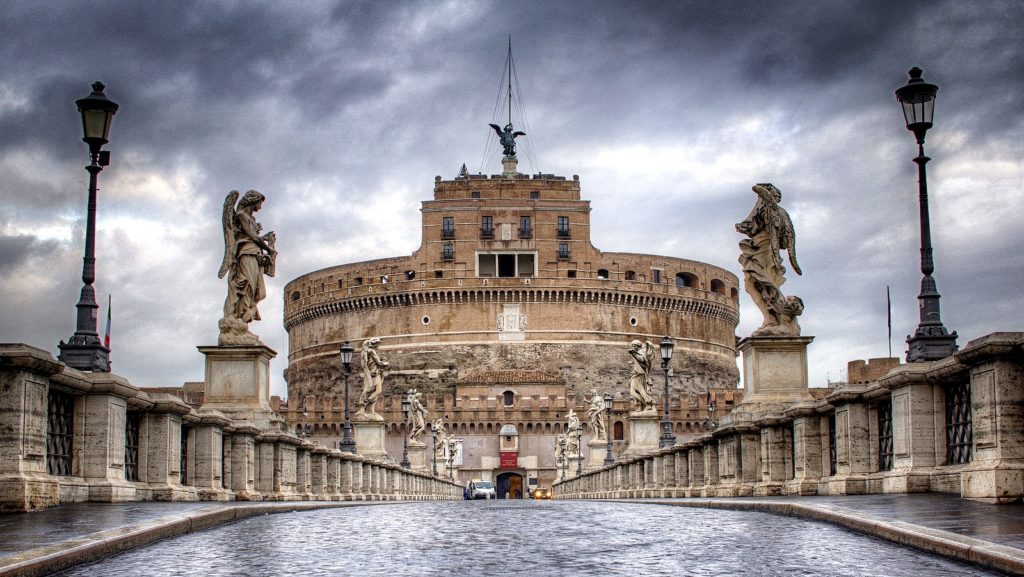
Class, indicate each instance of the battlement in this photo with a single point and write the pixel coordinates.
(860, 371)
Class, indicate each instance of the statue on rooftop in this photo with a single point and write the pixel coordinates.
(770, 231)
(508, 138)
(373, 381)
(248, 255)
(641, 357)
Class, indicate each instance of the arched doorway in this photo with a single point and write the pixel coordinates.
(511, 483)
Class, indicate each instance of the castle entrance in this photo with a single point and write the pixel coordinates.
(512, 484)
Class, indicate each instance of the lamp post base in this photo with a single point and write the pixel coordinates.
(84, 355)
(931, 343)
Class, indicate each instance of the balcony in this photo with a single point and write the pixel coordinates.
(563, 254)
(487, 233)
(564, 233)
(447, 233)
(526, 233)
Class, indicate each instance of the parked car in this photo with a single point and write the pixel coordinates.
(542, 493)
(482, 490)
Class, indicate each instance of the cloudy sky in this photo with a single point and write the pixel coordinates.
(342, 113)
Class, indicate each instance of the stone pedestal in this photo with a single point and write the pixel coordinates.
(370, 440)
(598, 452)
(775, 369)
(509, 164)
(418, 456)
(237, 384)
(644, 431)
(575, 464)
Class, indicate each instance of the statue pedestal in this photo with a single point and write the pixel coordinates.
(775, 369)
(575, 464)
(644, 432)
(370, 440)
(418, 457)
(237, 383)
(509, 164)
(598, 452)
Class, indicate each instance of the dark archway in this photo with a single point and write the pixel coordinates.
(511, 483)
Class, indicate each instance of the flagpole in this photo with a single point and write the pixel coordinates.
(888, 308)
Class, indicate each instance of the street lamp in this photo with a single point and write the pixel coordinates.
(608, 460)
(433, 448)
(405, 432)
(564, 465)
(931, 341)
(667, 438)
(348, 443)
(579, 454)
(84, 351)
(710, 424)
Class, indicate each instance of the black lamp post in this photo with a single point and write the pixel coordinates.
(405, 432)
(710, 424)
(667, 438)
(608, 460)
(931, 341)
(348, 443)
(579, 454)
(433, 448)
(564, 465)
(84, 351)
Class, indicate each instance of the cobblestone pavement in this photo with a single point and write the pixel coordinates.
(525, 538)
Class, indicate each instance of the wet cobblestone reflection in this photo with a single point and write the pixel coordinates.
(524, 538)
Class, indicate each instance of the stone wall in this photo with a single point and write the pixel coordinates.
(953, 425)
(65, 437)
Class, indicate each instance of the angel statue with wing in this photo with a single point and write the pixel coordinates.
(508, 138)
(248, 255)
(641, 357)
(770, 231)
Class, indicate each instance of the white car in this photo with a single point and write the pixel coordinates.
(482, 490)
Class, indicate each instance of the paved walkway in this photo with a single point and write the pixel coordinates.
(41, 542)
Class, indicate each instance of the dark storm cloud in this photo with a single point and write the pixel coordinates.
(343, 112)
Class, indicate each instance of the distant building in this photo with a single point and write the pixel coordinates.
(507, 314)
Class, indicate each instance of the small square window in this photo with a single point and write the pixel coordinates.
(438, 274)
(534, 195)
(475, 194)
(571, 273)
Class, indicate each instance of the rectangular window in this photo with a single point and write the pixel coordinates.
(959, 432)
(487, 227)
(132, 422)
(448, 227)
(563, 251)
(563, 227)
(183, 465)
(475, 194)
(448, 252)
(525, 227)
(885, 436)
(534, 195)
(59, 432)
(570, 274)
(656, 276)
(505, 265)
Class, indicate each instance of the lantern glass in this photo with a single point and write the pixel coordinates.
(346, 354)
(608, 401)
(97, 113)
(917, 98)
(666, 349)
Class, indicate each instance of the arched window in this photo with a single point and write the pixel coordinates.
(602, 274)
(685, 279)
(617, 432)
(630, 275)
(734, 294)
(509, 398)
(717, 286)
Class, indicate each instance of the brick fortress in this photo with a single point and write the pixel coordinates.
(507, 314)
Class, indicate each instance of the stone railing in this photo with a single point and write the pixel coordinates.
(954, 426)
(70, 436)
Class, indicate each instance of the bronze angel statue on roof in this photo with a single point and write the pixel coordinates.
(508, 138)
(248, 255)
(770, 231)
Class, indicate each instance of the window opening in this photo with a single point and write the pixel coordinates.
(959, 431)
(885, 436)
(447, 227)
(132, 421)
(59, 433)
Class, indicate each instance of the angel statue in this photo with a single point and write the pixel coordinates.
(248, 256)
(770, 231)
(573, 433)
(508, 138)
(560, 450)
(596, 416)
(440, 439)
(417, 415)
(373, 380)
(641, 356)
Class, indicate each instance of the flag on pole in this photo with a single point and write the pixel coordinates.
(888, 310)
(106, 336)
